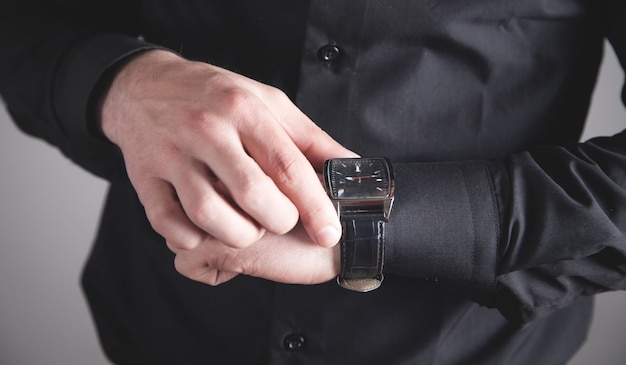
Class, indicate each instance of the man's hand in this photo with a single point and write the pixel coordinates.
(215, 155)
(290, 258)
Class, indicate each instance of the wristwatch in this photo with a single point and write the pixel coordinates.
(362, 190)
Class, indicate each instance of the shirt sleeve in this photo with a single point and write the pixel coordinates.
(527, 234)
(53, 58)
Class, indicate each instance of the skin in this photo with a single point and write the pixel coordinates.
(290, 258)
(225, 168)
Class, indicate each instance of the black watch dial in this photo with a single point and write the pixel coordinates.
(358, 178)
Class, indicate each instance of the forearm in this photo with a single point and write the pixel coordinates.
(444, 225)
(526, 234)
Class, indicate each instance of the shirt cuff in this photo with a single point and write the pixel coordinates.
(83, 67)
(444, 226)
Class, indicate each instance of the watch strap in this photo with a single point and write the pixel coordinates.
(362, 253)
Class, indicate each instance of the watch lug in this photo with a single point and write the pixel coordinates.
(388, 204)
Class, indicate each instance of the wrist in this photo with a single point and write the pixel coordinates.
(117, 85)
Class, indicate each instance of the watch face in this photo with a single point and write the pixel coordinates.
(359, 178)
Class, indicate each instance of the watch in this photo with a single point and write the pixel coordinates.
(362, 190)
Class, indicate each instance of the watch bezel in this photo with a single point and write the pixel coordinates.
(343, 204)
(328, 182)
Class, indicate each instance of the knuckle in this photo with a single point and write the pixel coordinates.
(204, 124)
(183, 267)
(197, 270)
(276, 94)
(213, 265)
(202, 210)
(177, 246)
(159, 215)
(309, 213)
(250, 267)
(250, 192)
(287, 170)
(217, 125)
(238, 102)
(179, 265)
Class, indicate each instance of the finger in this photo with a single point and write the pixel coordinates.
(310, 139)
(250, 187)
(166, 215)
(211, 211)
(280, 158)
(316, 212)
(289, 258)
(195, 266)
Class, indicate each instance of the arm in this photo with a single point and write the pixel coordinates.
(197, 138)
(67, 59)
(527, 234)
(50, 67)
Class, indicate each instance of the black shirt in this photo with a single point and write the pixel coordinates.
(503, 224)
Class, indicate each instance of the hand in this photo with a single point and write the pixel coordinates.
(291, 258)
(214, 154)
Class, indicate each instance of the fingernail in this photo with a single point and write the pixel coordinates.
(328, 236)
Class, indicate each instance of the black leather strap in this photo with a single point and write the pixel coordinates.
(362, 253)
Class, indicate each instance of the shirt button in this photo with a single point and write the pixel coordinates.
(328, 53)
(294, 342)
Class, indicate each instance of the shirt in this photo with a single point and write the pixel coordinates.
(503, 225)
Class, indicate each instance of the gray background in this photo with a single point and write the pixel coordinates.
(49, 210)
